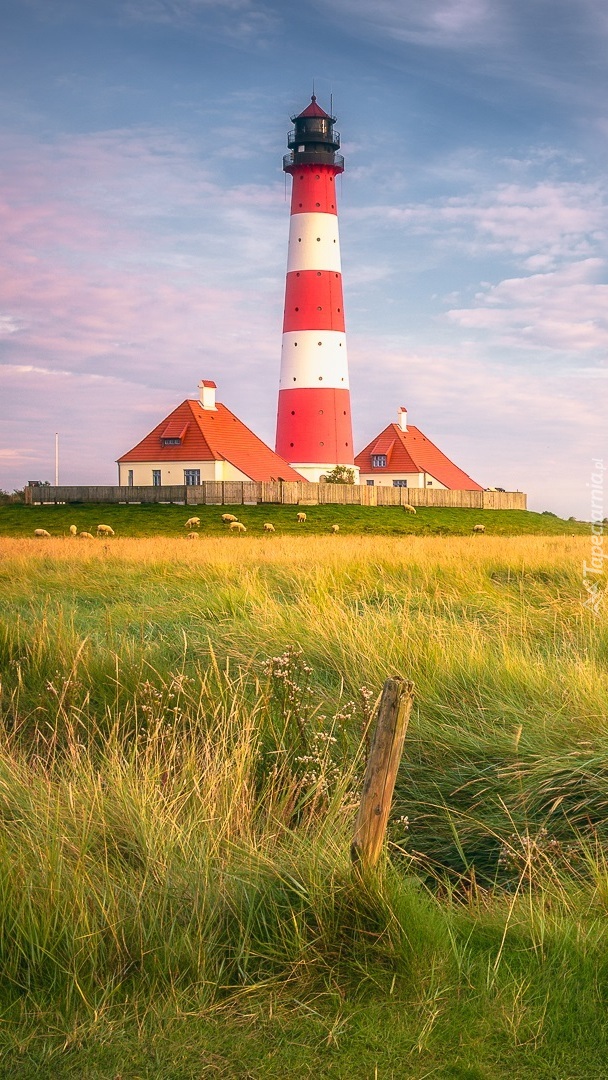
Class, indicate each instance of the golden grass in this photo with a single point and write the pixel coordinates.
(308, 550)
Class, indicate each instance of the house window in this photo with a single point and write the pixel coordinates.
(130, 478)
(171, 442)
(370, 483)
(429, 483)
(399, 483)
(156, 477)
(192, 477)
(378, 461)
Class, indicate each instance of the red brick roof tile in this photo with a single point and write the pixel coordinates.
(212, 435)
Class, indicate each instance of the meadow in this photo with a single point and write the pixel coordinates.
(184, 731)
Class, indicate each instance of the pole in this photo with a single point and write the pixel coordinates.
(381, 772)
(56, 459)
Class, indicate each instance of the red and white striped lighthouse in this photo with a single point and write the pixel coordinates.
(314, 428)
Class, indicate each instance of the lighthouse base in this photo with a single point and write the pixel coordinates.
(316, 473)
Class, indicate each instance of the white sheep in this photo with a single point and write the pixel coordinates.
(301, 517)
(73, 530)
(42, 533)
(86, 535)
(479, 528)
(237, 526)
(193, 523)
(335, 528)
(409, 509)
(228, 519)
(192, 536)
(105, 530)
(268, 526)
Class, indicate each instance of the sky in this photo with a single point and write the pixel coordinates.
(144, 219)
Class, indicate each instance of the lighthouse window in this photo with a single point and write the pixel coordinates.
(319, 342)
(293, 412)
(319, 309)
(321, 444)
(320, 378)
(378, 461)
(317, 204)
(320, 412)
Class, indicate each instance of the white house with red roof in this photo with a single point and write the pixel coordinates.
(401, 456)
(201, 440)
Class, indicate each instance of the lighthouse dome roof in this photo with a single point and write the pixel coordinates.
(314, 110)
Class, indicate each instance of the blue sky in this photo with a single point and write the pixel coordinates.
(144, 221)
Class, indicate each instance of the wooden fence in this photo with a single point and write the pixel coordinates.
(292, 493)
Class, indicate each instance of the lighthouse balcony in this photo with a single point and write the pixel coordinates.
(319, 157)
(310, 134)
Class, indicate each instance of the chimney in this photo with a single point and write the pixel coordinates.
(402, 418)
(207, 394)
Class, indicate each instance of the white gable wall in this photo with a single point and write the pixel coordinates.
(414, 480)
(172, 472)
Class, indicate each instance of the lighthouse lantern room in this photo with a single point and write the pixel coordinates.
(314, 428)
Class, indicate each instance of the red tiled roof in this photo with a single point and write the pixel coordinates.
(313, 110)
(411, 452)
(175, 430)
(212, 435)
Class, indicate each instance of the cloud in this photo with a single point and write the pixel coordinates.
(446, 24)
(552, 221)
(565, 310)
(241, 23)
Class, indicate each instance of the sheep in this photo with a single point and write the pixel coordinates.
(409, 509)
(335, 528)
(73, 530)
(86, 535)
(192, 536)
(228, 519)
(268, 526)
(193, 523)
(301, 518)
(105, 530)
(42, 533)
(237, 526)
(479, 528)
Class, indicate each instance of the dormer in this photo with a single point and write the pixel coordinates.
(174, 433)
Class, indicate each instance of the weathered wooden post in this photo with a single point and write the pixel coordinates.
(381, 772)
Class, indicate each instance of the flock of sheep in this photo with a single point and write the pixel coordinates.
(235, 525)
(102, 530)
(230, 520)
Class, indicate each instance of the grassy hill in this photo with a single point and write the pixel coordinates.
(155, 520)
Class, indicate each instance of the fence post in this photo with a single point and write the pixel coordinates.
(381, 772)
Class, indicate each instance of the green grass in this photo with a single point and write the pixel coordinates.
(155, 520)
(176, 898)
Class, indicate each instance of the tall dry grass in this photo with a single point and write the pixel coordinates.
(183, 736)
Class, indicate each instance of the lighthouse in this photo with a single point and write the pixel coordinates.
(314, 427)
